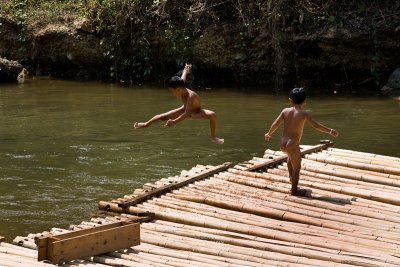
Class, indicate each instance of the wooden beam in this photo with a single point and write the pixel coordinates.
(324, 144)
(88, 242)
(168, 188)
(143, 216)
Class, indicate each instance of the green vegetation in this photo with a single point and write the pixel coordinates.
(144, 39)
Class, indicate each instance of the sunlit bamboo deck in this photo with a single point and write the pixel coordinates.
(243, 215)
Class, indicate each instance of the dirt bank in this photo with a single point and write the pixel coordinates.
(344, 52)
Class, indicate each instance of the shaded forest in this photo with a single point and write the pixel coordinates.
(324, 45)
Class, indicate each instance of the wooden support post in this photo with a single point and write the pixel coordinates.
(170, 187)
(324, 144)
(88, 242)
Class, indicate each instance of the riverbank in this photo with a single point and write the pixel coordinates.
(330, 47)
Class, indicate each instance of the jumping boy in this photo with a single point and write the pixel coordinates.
(293, 120)
(191, 107)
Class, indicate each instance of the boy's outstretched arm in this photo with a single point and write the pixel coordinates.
(186, 71)
(318, 126)
(187, 112)
(273, 127)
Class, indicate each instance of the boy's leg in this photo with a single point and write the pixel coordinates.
(209, 114)
(172, 114)
(294, 156)
(283, 145)
(290, 168)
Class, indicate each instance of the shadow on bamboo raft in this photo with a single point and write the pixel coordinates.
(334, 200)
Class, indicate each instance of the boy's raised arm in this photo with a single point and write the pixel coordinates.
(186, 71)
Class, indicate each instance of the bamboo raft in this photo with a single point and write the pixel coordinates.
(244, 215)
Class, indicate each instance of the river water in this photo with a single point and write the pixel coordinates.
(66, 145)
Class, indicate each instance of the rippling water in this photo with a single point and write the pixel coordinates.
(66, 145)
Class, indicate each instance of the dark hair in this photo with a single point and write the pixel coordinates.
(175, 82)
(298, 95)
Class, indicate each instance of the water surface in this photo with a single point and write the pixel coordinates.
(66, 145)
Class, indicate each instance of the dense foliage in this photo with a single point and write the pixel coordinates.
(144, 39)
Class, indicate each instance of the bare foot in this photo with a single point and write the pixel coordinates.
(217, 140)
(299, 192)
(139, 125)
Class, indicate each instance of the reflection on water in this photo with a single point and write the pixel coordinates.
(66, 145)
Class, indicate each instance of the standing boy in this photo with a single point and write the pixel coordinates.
(191, 107)
(293, 123)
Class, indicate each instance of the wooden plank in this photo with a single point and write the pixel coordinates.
(145, 217)
(42, 244)
(324, 144)
(170, 187)
(43, 241)
(88, 242)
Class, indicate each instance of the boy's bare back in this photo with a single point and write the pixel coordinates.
(293, 124)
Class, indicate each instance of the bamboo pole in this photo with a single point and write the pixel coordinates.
(372, 213)
(303, 205)
(275, 256)
(24, 242)
(120, 262)
(376, 196)
(243, 236)
(233, 216)
(167, 188)
(347, 177)
(226, 238)
(216, 249)
(360, 158)
(137, 262)
(307, 203)
(22, 261)
(208, 259)
(282, 235)
(307, 175)
(323, 155)
(17, 250)
(161, 259)
(351, 170)
(252, 208)
(352, 152)
(179, 254)
(242, 177)
(343, 169)
(357, 165)
(373, 228)
(322, 193)
(81, 263)
(353, 231)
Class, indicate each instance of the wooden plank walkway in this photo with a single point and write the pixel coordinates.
(243, 215)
